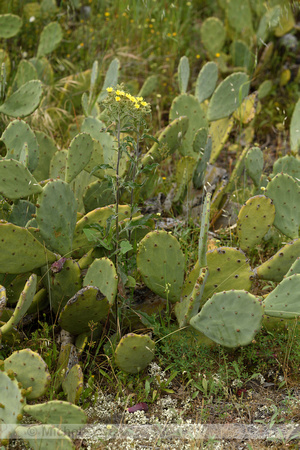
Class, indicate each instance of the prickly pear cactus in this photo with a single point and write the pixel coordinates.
(230, 318)
(213, 35)
(14, 137)
(228, 96)
(56, 216)
(278, 265)
(295, 268)
(189, 106)
(79, 154)
(73, 384)
(288, 164)
(190, 304)
(228, 269)
(20, 252)
(254, 163)
(134, 352)
(56, 412)
(10, 25)
(49, 39)
(161, 263)
(102, 274)
(285, 193)
(168, 141)
(254, 220)
(25, 300)
(31, 370)
(88, 305)
(11, 404)
(24, 101)
(283, 301)
(183, 74)
(12, 170)
(62, 283)
(206, 81)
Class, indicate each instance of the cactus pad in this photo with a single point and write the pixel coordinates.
(285, 193)
(56, 215)
(88, 305)
(24, 101)
(168, 141)
(31, 370)
(283, 301)
(49, 39)
(102, 274)
(206, 81)
(230, 318)
(11, 402)
(64, 284)
(134, 353)
(40, 441)
(213, 35)
(79, 154)
(20, 252)
(161, 264)
(22, 306)
(254, 220)
(73, 384)
(228, 96)
(254, 163)
(277, 266)
(58, 412)
(16, 180)
(10, 25)
(187, 105)
(14, 137)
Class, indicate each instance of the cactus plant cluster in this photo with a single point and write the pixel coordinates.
(60, 214)
(24, 376)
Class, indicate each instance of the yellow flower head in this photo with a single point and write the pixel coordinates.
(218, 55)
(137, 106)
(144, 103)
(120, 92)
(109, 89)
(117, 98)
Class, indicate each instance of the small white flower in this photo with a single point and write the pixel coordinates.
(32, 19)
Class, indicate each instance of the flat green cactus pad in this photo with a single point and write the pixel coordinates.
(12, 170)
(283, 301)
(228, 269)
(254, 220)
(31, 370)
(230, 318)
(73, 384)
(228, 96)
(87, 306)
(189, 106)
(56, 412)
(14, 137)
(134, 352)
(102, 274)
(62, 441)
(10, 25)
(20, 252)
(24, 101)
(161, 264)
(56, 215)
(285, 193)
(11, 404)
(278, 265)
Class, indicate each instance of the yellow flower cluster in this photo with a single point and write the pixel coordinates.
(137, 101)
